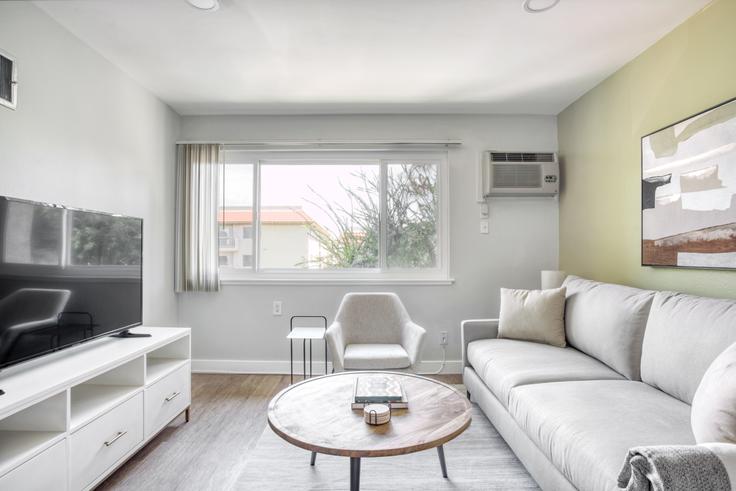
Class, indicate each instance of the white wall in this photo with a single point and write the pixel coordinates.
(234, 329)
(86, 135)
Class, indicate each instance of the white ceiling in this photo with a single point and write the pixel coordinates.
(369, 56)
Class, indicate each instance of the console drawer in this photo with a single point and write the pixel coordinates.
(97, 446)
(167, 398)
(46, 470)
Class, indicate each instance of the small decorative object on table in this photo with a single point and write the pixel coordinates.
(377, 414)
(379, 389)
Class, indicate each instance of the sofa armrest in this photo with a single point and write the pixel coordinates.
(726, 452)
(412, 337)
(336, 343)
(474, 329)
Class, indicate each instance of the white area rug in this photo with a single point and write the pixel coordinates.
(478, 459)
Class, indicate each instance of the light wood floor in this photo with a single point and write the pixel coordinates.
(228, 416)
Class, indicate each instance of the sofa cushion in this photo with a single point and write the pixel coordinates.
(607, 322)
(684, 335)
(586, 428)
(533, 315)
(376, 357)
(713, 414)
(505, 363)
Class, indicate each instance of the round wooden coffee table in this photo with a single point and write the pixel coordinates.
(316, 416)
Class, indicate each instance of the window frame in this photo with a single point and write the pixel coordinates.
(233, 155)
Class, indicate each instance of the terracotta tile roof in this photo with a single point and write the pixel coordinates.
(268, 215)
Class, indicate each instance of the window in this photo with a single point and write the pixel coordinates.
(345, 213)
(226, 237)
(224, 261)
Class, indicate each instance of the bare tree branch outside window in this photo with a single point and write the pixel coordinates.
(412, 211)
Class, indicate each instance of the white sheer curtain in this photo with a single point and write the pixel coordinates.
(198, 170)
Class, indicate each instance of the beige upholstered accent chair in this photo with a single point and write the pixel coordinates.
(373, 331)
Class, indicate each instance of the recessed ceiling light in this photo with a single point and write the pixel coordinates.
(209, 5)
(537, 6)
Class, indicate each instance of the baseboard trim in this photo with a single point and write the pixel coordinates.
(281, 367)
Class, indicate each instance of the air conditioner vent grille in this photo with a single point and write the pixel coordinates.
(522, 157)
(517, 176)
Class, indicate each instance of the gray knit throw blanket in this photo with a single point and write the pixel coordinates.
(673, 468)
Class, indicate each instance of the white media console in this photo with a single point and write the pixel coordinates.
(70, 419)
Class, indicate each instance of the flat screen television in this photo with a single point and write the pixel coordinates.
(66, 276)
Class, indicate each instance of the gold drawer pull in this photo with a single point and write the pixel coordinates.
(172, 396)
(117, 437)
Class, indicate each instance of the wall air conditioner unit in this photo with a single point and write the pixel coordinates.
(519, 174)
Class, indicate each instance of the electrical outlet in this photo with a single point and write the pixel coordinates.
(277, 307)
(484, 226)
(443, 338)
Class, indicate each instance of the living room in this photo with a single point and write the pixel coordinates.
(513, 216)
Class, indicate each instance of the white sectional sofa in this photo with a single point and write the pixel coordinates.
(627, 378)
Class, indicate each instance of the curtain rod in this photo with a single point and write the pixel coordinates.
(347, 144)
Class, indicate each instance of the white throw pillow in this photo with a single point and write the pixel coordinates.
(713, 413)
(533, 315)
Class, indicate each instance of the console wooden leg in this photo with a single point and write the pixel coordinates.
(186, 415)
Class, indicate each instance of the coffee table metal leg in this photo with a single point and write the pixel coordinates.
(443, 465)
(313, 459)
(354, 473)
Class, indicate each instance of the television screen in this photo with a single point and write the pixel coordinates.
(66, 276)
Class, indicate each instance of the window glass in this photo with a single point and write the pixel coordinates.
(319, 216)
(236, 214)
(412, 209)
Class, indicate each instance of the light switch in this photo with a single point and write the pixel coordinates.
(484, 226)
(484, 210)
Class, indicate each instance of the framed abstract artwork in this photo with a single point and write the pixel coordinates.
(688, 192)
(8, 81)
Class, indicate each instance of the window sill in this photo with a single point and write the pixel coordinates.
(339, 281)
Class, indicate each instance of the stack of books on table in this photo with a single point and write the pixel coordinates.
(379, 389)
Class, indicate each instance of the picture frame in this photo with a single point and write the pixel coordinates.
(8, 80)
(688, 191)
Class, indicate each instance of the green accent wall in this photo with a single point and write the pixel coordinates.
(691, 69)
